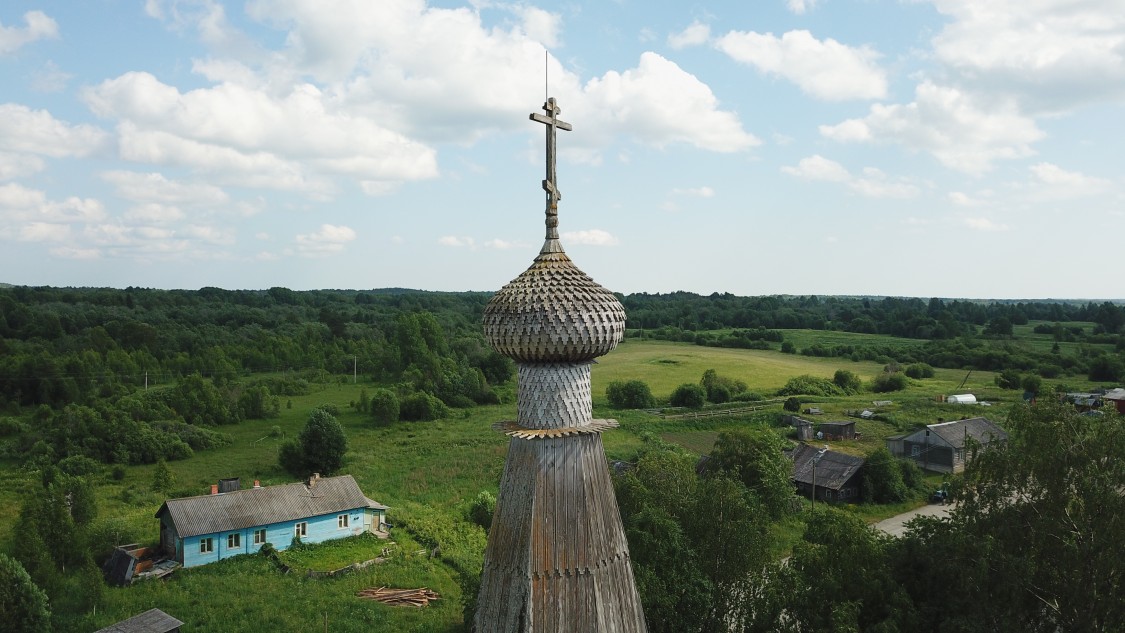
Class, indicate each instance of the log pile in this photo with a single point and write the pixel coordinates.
(400, 597)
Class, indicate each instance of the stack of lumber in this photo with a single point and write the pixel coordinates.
(400, 597)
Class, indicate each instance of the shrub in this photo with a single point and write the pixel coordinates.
(422, 407)
(720, 389)
(807, 385)
(919, 371)
(787, 347)
(848, 381)
(482, 509)
(630, 394)
(384, 406)
(688, 395)
(792, 403)
(889, 382)
(1008, 379)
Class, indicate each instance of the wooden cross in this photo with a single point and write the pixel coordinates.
(553, 123)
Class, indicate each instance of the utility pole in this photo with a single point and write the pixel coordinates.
(355, 368)
(815, 460)
(146, 381)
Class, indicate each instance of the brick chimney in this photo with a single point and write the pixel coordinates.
(214, 489)
(313, 478)
(257, 484)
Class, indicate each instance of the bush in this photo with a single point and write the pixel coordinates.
(630, 394)
(919, 371)
(688, 395)
(748, 396)
(889, 382)
(720, 389)
(787, 347)
(807, 385)
(422, 407)
(792, 403)
(1008, 379)
(384, 406)
(482, 509)
(848, 381)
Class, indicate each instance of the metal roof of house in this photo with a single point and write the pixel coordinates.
(241, 509)
(832, 471)
(955, 433)
(1115, 394)
(151, 621)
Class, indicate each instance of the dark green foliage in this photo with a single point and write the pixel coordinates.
(1031, 383)
(22, 603)
(1008, 379)
(807, 385)
(422, 407)
(919, 371)
(689, 396)
(787, 347)
(482, 509)
(792, 404)
(384, 406)
(318, 448)
(720, 389)
(1106, 368)
(847, 381)
(162, 478)
(630, 394)
(887, 382)
(753, 456)
(882, 479)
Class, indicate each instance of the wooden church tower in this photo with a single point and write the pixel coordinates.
(556, 559)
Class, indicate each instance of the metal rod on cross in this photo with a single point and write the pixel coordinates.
(550, 185)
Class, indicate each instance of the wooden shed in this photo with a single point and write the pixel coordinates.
(835, 431)
(942, 447)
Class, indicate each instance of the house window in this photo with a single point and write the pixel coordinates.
(960, 454)
(234, 541)
(915, 450)
(259, 537)
(342, 521)
(301, 530)
(206, 545)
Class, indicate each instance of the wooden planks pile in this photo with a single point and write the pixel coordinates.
(400, 597)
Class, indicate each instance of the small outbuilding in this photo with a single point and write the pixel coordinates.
(943, 447)
(151, 621)
(208, 528)
(1117, 397)
(964, 398)
(838, 430)
(827, 474)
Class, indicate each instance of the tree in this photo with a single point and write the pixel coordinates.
(754, 457)
(848, 381)
(629, 394)
(318, 448)
(422, 407)
(22, 603)
(1032, 383)
(1008, 379)
(384, 406)
(688, 395)
(792, 404)
(885, 382)
(162, 478)
(882, 478)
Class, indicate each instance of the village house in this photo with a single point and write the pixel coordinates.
(208, 528)
(942, 447)
(1117, 397)
(830, 475)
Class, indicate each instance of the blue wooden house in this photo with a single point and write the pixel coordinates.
(204, 529)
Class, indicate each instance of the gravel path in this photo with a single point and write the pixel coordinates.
(896, 525)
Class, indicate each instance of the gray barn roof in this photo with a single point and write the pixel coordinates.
(241, 509)
(981, 430)
(151, 621)
(832, 471)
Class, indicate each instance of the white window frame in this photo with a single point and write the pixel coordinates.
(206, 545)
(301, 530)
(260, 536)
(915, 450)
(342, 521)
(234, 540)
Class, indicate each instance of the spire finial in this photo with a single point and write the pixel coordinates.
(552, 121)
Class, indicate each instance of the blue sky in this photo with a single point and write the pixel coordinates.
(950, 148)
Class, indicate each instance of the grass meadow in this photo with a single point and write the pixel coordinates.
(428, 473)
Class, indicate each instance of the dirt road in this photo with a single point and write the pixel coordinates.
(896, 525)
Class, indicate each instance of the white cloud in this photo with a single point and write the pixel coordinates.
(330, 239)
(695, 34)
(37, 132)
(984, 224)
(154, 187)
(540, 25)
(1051, 54)
(71, 252)
(39, 26)
(659, 103)
(504, 245)
(1056, 182)
(700, 192)
(817, 167)
(44, 232)
(874, 183)
(153, 213)
(456, 241)
(19, 204)
(825, 69)
(14, 166)
(590, 237)
(230, 128)
(50, 78)
(800, 6)
(949, 124)
(962, 199)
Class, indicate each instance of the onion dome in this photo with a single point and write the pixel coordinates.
(553, 313)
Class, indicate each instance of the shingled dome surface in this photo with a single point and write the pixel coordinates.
(553, 312)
